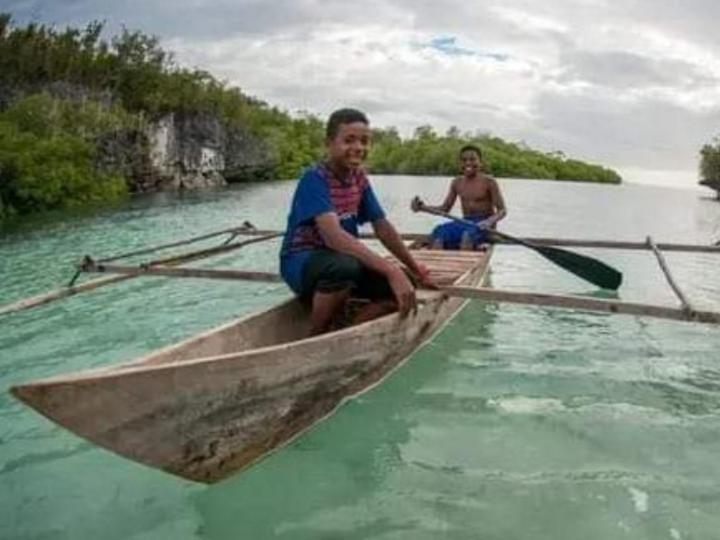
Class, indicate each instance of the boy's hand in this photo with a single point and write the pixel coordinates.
(416, 204)
(403, 290)
(424, 277)
(485, 224)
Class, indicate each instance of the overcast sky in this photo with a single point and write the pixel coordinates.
(632, 85)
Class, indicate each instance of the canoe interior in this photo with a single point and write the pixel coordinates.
(216, 403)
(289, 320)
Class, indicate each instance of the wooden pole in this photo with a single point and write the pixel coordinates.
(263, 234)
(543, 241)
(234, 231)
(363, 236)
(201, 254)
(609, 244)
(57, 294)
(183, 272)
(486, 294)
(65, 292)
(584, 303)
(668, 276)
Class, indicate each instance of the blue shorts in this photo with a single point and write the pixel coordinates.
(450, 234)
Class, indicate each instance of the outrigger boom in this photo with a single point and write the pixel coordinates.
(168, 267)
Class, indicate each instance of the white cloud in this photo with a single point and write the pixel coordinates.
(392, 72)
(530, 22)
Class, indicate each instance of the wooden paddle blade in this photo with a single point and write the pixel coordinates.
(587, 268)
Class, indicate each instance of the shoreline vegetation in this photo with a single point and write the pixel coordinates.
(710, 166)
(66, 95)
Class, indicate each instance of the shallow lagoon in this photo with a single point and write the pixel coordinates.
(515, 422)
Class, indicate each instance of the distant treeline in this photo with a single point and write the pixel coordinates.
(428, 153)
(47, 138)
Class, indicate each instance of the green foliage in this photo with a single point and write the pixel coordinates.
(427, 153)
(710, 163)
(295, 142)
(46, 155)
(46, 116)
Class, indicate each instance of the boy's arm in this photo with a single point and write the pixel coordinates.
(386, 233)
(336, 238)
(498, 203)
(447, 204)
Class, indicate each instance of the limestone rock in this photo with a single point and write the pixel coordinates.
(185, 151)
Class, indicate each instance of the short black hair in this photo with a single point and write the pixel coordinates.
(471, 148)
(343, 116)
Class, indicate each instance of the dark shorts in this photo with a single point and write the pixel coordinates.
(330, 271)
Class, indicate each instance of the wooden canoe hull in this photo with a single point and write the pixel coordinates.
(202, 412)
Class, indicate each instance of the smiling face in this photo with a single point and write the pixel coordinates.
(349, 147)
(470, 163)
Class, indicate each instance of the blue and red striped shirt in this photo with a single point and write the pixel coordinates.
(319, 192)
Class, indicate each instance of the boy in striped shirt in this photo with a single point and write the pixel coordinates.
(322, 259)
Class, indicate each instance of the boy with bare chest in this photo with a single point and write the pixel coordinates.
(481, 201)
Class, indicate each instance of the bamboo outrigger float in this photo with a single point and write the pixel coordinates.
(219, 401)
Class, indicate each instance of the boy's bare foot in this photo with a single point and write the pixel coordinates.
(374, 310)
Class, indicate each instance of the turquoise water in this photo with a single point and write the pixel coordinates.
(514, 422)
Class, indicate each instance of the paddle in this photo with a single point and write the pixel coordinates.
(596, 272)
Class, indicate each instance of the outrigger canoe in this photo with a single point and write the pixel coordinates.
(218, 402)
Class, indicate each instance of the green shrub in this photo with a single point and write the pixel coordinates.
(710, 163)
(43, 168)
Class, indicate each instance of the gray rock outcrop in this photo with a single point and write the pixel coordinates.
(186, 151)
